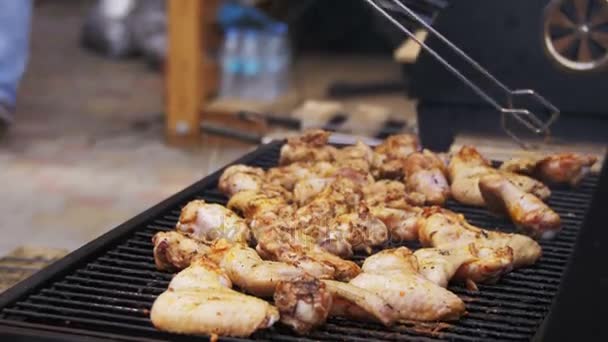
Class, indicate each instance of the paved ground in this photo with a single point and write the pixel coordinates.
(87, 151)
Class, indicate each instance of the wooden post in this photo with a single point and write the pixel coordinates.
(183, 81)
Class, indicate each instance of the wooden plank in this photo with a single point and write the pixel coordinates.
(184, 86)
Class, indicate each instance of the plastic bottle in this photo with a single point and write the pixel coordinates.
(231, 64)
(251, 65)
(277, 60)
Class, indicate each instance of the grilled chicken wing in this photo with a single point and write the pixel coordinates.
(310, 146)
(393, 275)
(559, 168)
(527, 211)
(357, 157)
(209, 222)
(307, 189)
(391, 194)
(288, 175)
(252, 203)
(472, 262)
(361, 230)
(304, 304)
(468, 166)
(440, 227)
(425, 174)
(358, 303)
(389, 155)
(240, 177)
(277, 240)
(401, 223)
(248, 271)
(200, 301)
(173, 251)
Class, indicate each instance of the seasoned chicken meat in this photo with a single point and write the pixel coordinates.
(389, 155)
(441, 227)
(401, 223)
(200, 301)
(425, 174)
(304, 303)
(209, 222)
(239, 177)
(248, 271)
(391, 194)
(310, 146)
(358, 303)
(468, 166)
(473, 262)
(527, 211)
(393, 274)
(569, 168)
(174, 251)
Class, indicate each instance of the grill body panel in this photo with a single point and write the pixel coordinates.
(105, 289)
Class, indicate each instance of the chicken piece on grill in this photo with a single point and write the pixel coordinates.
(340, 197)
(468, 166)
(472, 262)
(389, 155)
(253, 203)
(239, 177)
(527, 211)
(440, 228)
(391, 194)
(292, 238)
(174, 251)
(357, 303)
(401, 223)
(248, 271)
(425, 174)
(307, 189)
(210, 222)
(308, 147)
(393, 274)
(358, 157)
(200, 301)
(304, 303)
(279, 240)
(340, 221)
(569, 168)
(288, 175)
(361, 230)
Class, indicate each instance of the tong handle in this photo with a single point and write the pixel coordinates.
(522, 115)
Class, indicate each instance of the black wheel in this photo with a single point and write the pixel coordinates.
(575, 33)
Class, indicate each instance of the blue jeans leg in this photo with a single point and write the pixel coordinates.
(15, 18)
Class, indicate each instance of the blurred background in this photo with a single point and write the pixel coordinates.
(125, 102)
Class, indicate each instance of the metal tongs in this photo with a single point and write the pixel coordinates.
(524, 116)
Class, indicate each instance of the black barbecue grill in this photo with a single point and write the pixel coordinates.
(105, 289)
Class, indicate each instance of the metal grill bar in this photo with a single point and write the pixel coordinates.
(112, 290)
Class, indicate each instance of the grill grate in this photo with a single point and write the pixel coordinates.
(108, 294)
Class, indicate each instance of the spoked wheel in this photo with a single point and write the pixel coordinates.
(576, 33)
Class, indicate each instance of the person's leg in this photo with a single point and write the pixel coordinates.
(14, 45)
